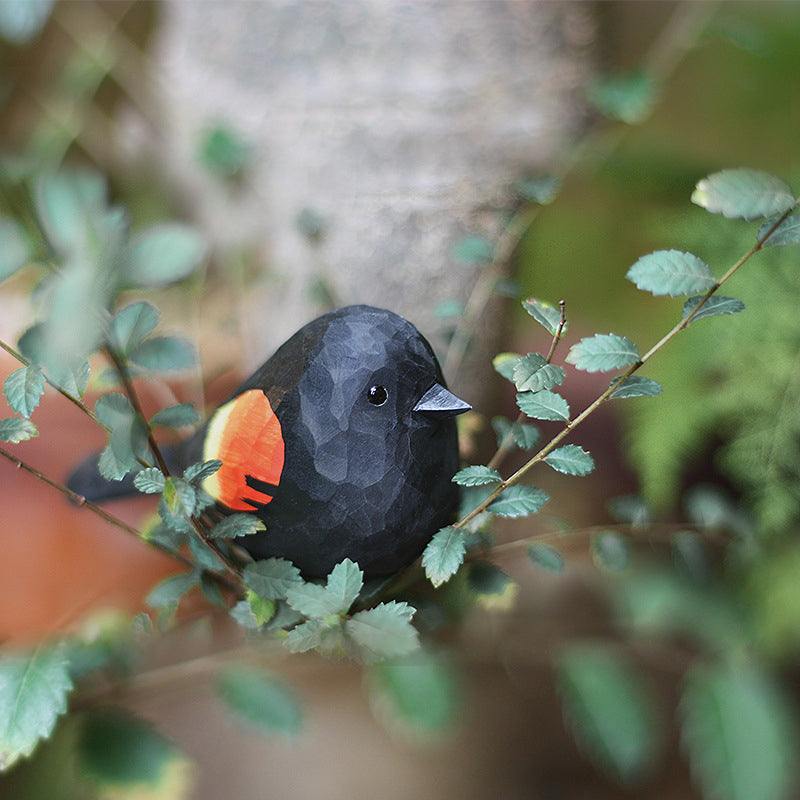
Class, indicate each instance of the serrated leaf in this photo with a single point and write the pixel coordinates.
(473, 250)
(504, 364)
(237, 525)
(263, 610)
(571, 460)
(714, 306)
(548, 316)
(738, 729)
(196, 473)
(609, 711)
(743, 194)
(271, 578)
(518, 501)
(636, 386)
(132, 325)
(309, 635)
(163, 254)
(611, 551)
(17, 429)
(671, 272)
(344, 583)
(788, 232)
(168, 592)
(546, 557)
(260, 700)
(384, 631)
(444, 554)
(150, 481)
(177, 416)
(543, 405)
(164, 354)
(23, 388)
(123, 756)
(312, 600)
(476, 476)
(532, 373)
(419, 691)
(33, 694)
(14, 249)
(603, 352)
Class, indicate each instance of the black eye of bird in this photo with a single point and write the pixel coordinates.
(377, 395)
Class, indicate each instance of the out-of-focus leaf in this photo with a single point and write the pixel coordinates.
(163, 254)
(14, 248)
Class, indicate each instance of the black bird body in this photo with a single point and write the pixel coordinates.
(344, 443)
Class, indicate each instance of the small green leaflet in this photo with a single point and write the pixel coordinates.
(164, 354)
(636, 386)
(195, 473)
(444, 555)
(788, 232)
(477, 476)
(14, 250)
(504, 364)
(671, 272)
(17, 429)
(571, 460)
(23, 388)
(237, 525)
(33, 694)
(271, 578)
(339, 593)
(168, 593)
(714, 306)
(524, 435)
(132, 325)
(743, 194)
(546, 557)
(315, 633)
(603, 352)
(384, 631)
(150, 481)
(549, 317)
(260, 699)
(163, 254)
(518, 501)
(177, 416)
(532, 373)
(543, 405)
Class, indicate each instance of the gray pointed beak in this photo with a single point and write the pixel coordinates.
(437, 400)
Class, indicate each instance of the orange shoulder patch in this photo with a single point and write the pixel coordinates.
(245, 435)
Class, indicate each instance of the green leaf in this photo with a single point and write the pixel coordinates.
(743, 194)
(132, 325)
(123, 756)
(603, 352)
(384, 631)
(473, 250)
(263, 610)
(168, 593)
(33, 694)
(532, 373)
(571, 460)
(714, 306)
(524, 434)
(150, 481)
(518, 501)
(23, 388)
(788, 232)
(312, 600)
(609, 710)
(504, 364)
(72, 377)
(635, 386)
(345, 582)
(316, 634)
(164, 354)
(271, 578)
(260, 699)
(476, 476)
(22, 21)
(163, 254)
(671, 272)
(177, 416)
(196, 473)
(14, 249)
(541, 189)
(548, 316)
(224, 151)
(418, 691)
(629, 97)
(543, 405)
(237, 525)
(180, 497)
(546, 557)
(738, 728)
(444, 555)
(611, 551)
(17, 429)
